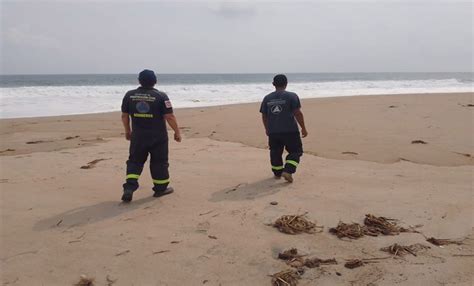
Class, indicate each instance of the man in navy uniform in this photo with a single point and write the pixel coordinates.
(281, 111)
(149, 109)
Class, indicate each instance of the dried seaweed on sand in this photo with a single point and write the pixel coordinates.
(295, 224)
(382, 225)
(373, 226)
(85, 281)
(400, 250)
(441, 242)
(286, 278)
(352, 231)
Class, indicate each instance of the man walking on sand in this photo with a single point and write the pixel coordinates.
(281, 110)
(148, 108)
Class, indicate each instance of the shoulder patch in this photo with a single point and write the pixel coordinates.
(168, 104)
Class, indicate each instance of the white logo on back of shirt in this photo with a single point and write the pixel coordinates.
(276, 109)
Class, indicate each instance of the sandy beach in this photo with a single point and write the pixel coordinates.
(407, 157)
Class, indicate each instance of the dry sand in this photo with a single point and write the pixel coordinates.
(60, 221)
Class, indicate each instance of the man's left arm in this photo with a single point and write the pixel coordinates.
(296, 107)
(300, 119)
(168, 115)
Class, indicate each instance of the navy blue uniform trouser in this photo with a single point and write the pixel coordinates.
(293, 145)
(142, 144)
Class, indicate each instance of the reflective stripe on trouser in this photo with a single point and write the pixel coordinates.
(140, 146)
(292, 143)
(160, 185)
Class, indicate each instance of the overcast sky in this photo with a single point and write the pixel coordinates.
(240, 37)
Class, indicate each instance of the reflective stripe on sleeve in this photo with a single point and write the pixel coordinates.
(161, 182)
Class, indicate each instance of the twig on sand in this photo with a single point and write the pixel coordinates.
(234, 188)
(206, 213)
(122, 253)
(441, 242)
(74, 241)
(354, 263)
(400, 250)
(92, 164)
(161, 251)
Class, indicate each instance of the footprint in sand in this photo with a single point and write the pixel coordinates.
(349, 153)
(203, 227)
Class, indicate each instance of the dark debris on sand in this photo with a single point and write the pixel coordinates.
(296, 260)
(355, 263)
(85, 281)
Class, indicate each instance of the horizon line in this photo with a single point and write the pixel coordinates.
(234, 73)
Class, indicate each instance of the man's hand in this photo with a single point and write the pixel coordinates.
(304, 133)
(128, 135)
(177, 137)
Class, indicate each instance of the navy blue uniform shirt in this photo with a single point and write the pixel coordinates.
(147, 106)
(279, 107)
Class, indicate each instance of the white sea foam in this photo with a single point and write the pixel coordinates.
(60, 100)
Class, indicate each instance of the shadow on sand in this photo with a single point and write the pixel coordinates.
(249, 191)
(89, 214)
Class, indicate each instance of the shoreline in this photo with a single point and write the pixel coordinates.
(340, 128)
(241, 103)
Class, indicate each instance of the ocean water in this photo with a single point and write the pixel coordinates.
(49, 95)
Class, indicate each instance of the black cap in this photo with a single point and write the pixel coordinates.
(280, 80)
(147, 78)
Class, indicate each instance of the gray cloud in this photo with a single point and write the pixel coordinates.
(210, 37)
(233, 9)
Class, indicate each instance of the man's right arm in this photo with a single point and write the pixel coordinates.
(173, 123)
(263, 111)
(265, 122)
(126, 117)
(126, 125)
